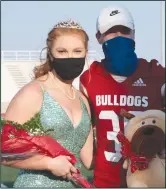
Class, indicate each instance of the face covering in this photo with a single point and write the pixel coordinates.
(120, 58)
(68, 68)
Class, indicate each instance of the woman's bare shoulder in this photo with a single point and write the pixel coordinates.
(25, 103)
(32, 89)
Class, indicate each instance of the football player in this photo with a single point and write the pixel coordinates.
(120, 80)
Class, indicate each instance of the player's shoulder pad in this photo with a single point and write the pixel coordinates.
(153, 67)
(156, 68)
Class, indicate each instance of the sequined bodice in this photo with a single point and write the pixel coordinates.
(52, 115)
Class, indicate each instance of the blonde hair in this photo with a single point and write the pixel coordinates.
(43, 69)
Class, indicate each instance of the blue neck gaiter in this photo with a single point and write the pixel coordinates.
(120, 58)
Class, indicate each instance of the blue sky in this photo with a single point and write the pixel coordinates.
(25, 24)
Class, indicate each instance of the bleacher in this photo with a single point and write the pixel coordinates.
(17, 70)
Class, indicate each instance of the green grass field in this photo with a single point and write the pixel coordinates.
(8, 175)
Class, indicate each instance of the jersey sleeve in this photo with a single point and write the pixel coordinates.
(158, 71)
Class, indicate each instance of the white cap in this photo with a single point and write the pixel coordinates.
(113, 16)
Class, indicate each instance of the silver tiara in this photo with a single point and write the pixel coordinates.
(68, 24)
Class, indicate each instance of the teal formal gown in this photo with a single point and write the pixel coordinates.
(52, 115)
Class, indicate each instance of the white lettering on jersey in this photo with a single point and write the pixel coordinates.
(123, 100)
(104, 100)
(98, 101)
(137, 101)
(112, 100)
(109, 100)
(145, 101)
(130, 101)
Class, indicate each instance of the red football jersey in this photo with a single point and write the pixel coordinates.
(139, 92)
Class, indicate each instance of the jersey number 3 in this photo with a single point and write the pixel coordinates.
(112, 135)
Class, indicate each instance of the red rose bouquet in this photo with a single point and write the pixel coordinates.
(21, 141)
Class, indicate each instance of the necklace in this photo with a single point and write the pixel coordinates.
(57, 86)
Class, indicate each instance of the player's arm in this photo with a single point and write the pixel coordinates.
(163, 95)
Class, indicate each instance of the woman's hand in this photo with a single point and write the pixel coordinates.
(61, 166)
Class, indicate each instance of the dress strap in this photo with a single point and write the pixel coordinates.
(42, 87)
(81, 99)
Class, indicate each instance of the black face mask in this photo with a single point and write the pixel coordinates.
(68, 68)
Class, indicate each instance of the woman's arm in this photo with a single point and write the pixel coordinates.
(37, 162)
(23, 107)
(86, 154)
(59, 166)
(25, 104)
